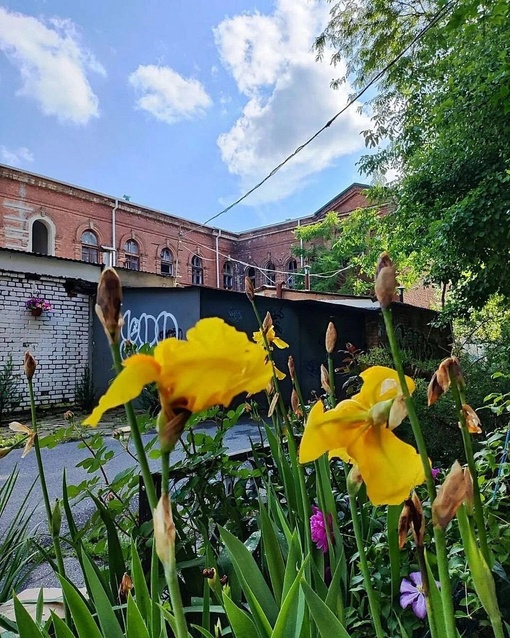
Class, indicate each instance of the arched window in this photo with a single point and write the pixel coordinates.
(167, 262)
(132, 255)
(228, 276)
(89, 247)
(251, 274)
(270, 273)
(197, 270)
(292, 270)
(40, 238)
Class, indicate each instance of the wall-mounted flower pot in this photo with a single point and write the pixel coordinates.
(36, 312)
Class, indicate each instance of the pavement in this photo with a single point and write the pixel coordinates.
(67, 456)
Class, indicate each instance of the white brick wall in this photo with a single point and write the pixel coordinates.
(59, 340)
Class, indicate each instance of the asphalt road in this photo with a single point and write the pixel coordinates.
(67, 456)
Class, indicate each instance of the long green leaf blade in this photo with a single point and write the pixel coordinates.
(326, 621)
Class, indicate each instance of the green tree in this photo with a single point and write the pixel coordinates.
(343, 251)
(441, 119)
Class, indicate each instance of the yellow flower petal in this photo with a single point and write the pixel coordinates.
(138, 371)
(337, 428)
(389, 467)
(216, 363)
(280, 343)
(377, 384)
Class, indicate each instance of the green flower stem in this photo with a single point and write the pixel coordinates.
(165, 471)
(181, 627)
(46, 498)
(137, 437)
(373, 603)
(331, 373)
(460, 399)
(439, 535)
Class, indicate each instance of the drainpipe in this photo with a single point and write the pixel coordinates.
(218, 258)
(307, 277)
(114, 234)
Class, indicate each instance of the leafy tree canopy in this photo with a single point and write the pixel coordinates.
(441, 120)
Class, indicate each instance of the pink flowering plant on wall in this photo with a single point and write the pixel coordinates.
(38, 302)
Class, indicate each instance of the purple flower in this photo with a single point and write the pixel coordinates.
(411, 593)
(318, 529)
(435, 471)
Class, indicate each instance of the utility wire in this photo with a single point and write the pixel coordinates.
(353, 99)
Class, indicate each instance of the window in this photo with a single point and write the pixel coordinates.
(167, 262)
(40, 238)
(89, 247)
(291, 269)
(132, 255)
(251, 274)
(270, 273)
(228, 276)
(197, 270)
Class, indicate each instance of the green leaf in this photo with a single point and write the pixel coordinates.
(326, 621)
(143, 599)
(242, 625)
(251, 578)
(294, 558)
(27, 627)
(272, 551)
(289, 623)
(106, 615)
(203, 631)
(61, 629)
(136, 627)
(83, 620)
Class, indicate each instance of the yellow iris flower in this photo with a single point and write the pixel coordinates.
(211, 367)
(360, 430)
(271, 338)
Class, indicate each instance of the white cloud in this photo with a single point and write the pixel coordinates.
(167, 95)
(16, 156)
(288, 99)
(53, 65)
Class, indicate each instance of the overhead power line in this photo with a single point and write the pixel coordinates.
(353, 99)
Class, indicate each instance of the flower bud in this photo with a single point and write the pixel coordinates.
(164, 529)
(473, 422)
(331, 338)
(108, 303)
(249, 289)
(294, 403)
(325, 383)
(450, 368)
(434, 390)
(292, 368)
(274, 403)
(209, 573)
(385, 281)
(125, 586)
(56, 519)
(29, 364)
(267, 323)
(404, 524)
(354, 481)
(450, 496)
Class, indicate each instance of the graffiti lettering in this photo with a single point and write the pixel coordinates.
(147, 329)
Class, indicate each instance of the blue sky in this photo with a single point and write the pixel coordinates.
(181, 105)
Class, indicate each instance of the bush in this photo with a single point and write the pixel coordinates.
(10, 397)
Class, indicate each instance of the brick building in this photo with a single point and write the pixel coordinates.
(45, 216)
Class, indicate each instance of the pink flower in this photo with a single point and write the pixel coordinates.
(435, 471)
(318, 529)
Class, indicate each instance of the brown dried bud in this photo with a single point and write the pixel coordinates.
(274, 403)
(209, 573)
(292, 368)
(126, 585)
(170, 427)
(385, 281)
(450, 368)
(473, 422)
(164, 529)
(249, 289)
(331, 338)
(325, 379)
(294, 403)
(434, 391)
(450, 496)
(29, 364)
(267, 323)
(69, 415)
(224, 580)
(404, 523)
(108, 303)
